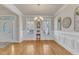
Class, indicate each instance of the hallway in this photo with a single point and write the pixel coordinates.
(43, 47)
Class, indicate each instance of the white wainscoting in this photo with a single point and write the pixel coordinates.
(69, 40)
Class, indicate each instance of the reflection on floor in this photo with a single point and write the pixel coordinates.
(43, 47)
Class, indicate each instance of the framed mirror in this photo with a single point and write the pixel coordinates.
(66, 23)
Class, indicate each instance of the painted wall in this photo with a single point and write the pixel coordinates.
(68, 38)
(5, 12)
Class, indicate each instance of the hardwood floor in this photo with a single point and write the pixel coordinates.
(44, 47)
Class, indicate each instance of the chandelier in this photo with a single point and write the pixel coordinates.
(38, 19)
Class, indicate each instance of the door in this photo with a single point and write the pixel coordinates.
(38, 30)
(7, 29)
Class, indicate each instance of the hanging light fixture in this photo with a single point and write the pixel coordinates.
(38, 18)
(41, 18)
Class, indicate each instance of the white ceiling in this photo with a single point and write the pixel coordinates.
(36, 9)
(5, 11)
(2, 7)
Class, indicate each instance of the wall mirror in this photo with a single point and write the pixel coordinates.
(66, 23)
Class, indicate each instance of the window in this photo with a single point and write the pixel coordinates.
(46, 27)
(5, 27)
(30, 27)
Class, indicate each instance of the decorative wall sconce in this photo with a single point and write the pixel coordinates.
(77, 11)
(76, 19)
(59, 23)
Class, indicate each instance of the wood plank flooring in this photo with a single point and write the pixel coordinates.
(42, 47)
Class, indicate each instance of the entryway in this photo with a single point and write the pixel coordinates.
(39, 28)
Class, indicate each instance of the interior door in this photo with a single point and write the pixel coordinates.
(6, 29)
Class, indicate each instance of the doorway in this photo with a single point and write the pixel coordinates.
(43, 28)
(38, 28)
